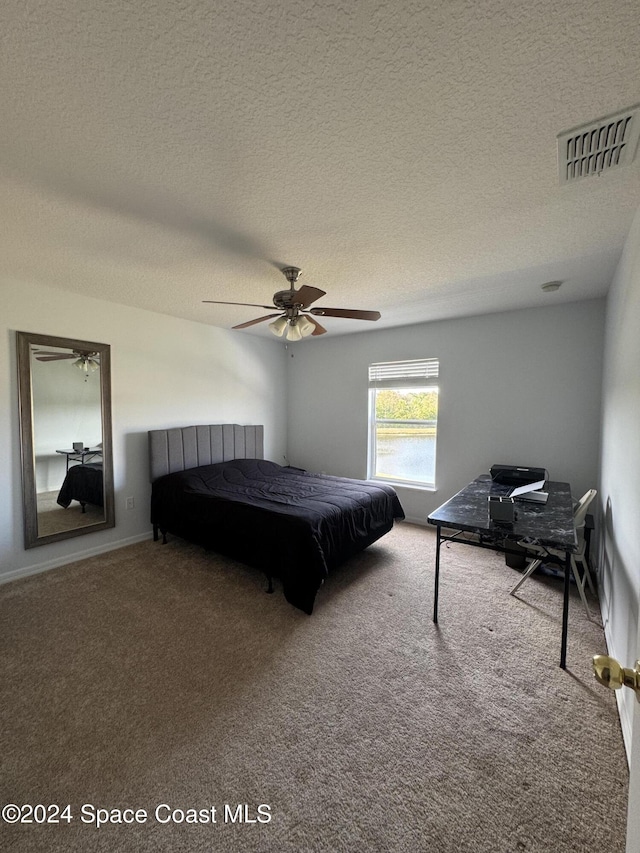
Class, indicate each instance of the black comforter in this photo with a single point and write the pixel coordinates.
(289, 523)
(83, 483)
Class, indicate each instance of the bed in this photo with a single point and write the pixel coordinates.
(83, 483)
(212, 486)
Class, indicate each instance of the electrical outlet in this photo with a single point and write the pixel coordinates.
(129, 503)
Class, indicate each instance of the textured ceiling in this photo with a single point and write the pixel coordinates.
(403, 153)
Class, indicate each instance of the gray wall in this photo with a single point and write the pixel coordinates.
(620, 479)
(517, 387)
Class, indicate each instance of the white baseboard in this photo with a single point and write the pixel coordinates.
(421, 521)
(625, 717)
(73, 558)
(623, 712)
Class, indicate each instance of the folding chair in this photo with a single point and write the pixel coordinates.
(582, 577)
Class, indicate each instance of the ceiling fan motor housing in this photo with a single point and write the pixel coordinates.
(285, 299)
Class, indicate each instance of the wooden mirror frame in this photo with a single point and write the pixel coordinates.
(24, 340)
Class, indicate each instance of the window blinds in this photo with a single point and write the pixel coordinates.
(418, 372)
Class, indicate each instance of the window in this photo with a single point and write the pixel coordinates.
(403, 421)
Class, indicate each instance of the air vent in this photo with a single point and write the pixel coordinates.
(598, 147)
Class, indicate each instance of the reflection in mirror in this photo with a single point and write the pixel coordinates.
(66, 437)
(66, 405)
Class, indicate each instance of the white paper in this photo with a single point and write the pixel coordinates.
(522, 490)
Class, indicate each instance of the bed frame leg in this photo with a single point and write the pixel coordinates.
(270, 587)
(84, 507)
(155, 534)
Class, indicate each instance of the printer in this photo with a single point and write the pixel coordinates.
(517, 475)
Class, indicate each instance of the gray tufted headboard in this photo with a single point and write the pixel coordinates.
(188, 447)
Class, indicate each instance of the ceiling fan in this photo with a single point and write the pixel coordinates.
(85, 361)
(296, 318)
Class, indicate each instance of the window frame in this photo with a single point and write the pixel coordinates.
(418, 375)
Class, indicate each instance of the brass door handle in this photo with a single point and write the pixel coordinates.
(614, 676)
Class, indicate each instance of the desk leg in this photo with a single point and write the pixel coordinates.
(565, 610)
(435, 591)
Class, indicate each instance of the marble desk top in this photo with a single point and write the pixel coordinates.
(549, 524)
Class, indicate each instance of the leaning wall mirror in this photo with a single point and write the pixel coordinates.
(64, 388)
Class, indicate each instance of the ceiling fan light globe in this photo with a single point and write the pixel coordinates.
(306, 326)
(293, 332)
(278, 326)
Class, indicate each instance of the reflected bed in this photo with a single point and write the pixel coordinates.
(83, 483)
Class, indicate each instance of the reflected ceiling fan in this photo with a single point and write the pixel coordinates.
(85, 361)
(296, 318)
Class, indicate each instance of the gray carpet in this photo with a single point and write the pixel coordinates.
(164, 675)
(53, 518)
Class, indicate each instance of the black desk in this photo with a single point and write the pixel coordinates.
(549, 524)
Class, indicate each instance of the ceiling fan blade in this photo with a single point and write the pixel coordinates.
(54, 357)
(306, 295)
(253, 322)
(346, 312)
(248, 304)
